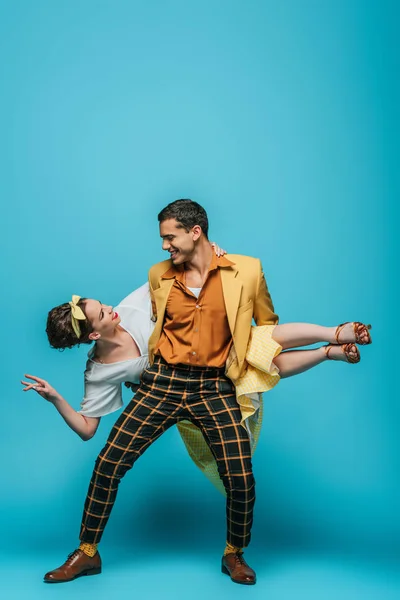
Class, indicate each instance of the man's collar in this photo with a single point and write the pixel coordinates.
(174, 271)
(219, 261)
(216, 263)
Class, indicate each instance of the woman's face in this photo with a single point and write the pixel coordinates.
(102, 318)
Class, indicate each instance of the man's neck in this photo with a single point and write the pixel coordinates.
(201, 259)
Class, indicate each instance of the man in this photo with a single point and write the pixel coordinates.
(204, 307)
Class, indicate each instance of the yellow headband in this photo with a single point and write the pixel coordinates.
(77, 315)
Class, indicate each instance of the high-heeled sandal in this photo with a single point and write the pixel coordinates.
(358, 329)
(348, 350)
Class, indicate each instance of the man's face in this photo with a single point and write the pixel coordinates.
(178, 242)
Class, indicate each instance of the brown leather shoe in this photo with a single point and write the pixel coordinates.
(233, 564)
(77, 564)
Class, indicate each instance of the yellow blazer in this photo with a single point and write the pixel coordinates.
(246, 297)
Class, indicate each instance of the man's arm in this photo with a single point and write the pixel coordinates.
(263, 311)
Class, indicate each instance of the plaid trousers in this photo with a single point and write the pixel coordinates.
(168, 394)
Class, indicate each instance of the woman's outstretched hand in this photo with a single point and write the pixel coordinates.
(41, 386)
(85, 427)
(218, 251)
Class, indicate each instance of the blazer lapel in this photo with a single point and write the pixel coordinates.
(161, 296)
(232, 289)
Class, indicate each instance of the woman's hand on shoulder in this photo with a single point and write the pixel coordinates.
(218, 251)
(41, 386)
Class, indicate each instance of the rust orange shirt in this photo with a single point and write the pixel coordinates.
(196, 330)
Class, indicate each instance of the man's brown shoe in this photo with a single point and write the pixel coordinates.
(77, 564)
(233, 564)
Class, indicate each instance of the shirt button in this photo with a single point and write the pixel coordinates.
(198, 306)
(194, 353)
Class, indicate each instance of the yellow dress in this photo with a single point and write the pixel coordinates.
(260, 375)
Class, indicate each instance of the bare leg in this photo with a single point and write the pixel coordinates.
(293, 335)
(297, 361)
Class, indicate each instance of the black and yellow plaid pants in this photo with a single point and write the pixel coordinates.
(168, 394)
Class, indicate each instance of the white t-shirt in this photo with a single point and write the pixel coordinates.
(103, 383)
(195, 291)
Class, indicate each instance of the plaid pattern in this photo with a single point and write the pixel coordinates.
(169, 394)
(261, 375)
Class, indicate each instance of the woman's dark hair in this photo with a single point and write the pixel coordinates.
(187, 212)
(60, 332)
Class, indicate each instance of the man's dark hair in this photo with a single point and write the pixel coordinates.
(188, 214)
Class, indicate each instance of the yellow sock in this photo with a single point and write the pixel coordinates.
(229, 549)
(89, 549)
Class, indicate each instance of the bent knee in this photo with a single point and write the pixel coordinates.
(239, 484)
(113, 468)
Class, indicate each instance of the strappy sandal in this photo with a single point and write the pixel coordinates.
(348, 350)
(358, 329)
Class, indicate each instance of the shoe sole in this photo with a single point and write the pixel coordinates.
(226, 572)
(83, 574)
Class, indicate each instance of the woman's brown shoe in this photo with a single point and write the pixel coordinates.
(361, 332)
(77, 564)
(350, 351)
(234, 565)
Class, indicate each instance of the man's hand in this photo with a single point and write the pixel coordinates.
(133, 386)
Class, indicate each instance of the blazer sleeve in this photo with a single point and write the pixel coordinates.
(263, 311)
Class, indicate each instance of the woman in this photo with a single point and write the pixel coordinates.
(119, 355)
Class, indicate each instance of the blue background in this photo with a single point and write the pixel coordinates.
(279, 118)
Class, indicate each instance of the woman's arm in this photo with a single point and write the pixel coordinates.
(85, 427)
